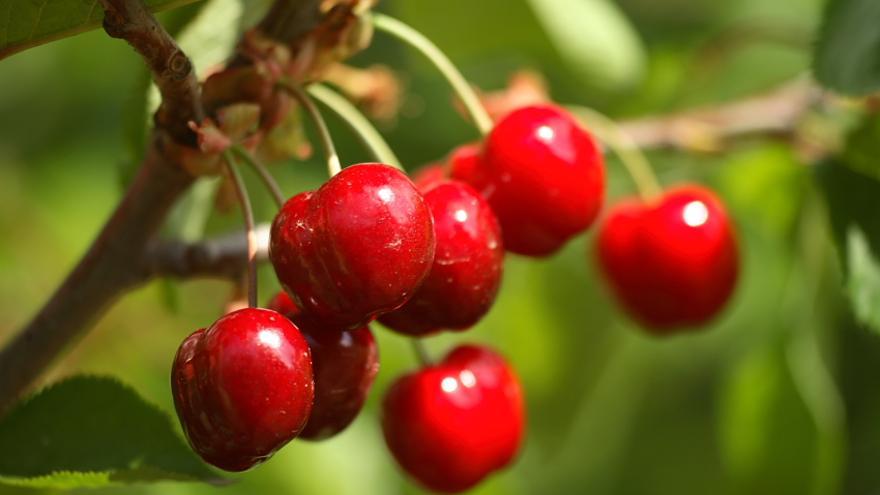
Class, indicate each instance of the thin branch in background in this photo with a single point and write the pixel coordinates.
(706, 129)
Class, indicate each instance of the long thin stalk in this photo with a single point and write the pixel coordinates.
(250, 229)
(363, 128)
(459, 84)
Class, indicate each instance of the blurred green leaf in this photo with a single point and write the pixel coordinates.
(853, 202)
(863, 278)
(92, 431)
(30, 24)
(863, 146)
(847, 57)
(595, 39)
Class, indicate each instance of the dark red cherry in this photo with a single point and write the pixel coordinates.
(672, 263)
(468, 261)
(452, 424)
(356, 248)
(243, 388)
(345, 364)
(544, 177)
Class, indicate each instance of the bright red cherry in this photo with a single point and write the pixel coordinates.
(345, 365)
(357, 247)
(452, 424)
(544, 177)
(243, 388)
(425, 177)
(464, 161)
(468, 261)
(672, 263)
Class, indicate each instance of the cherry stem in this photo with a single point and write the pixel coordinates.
(421, 351)
(636, 163)
(250, 232)
(362, 127)
(459, 84)
(264, 174)
(333, 165)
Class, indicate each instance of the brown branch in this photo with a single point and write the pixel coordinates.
(171, 68)
(706, 129)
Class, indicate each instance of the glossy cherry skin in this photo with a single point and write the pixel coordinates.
(672, 264)
(452, 424)
(544, 177)
(464, 161)
(345, 364)
(467, 268)
(243, 388)
(357, 247)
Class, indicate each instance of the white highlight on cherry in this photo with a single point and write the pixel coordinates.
(546, 133)
(467, 378)
(269, 338)
(386, 194)
(449, 384)
(461, 216)
(695, 214)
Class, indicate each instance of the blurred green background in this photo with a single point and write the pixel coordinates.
(779, 396)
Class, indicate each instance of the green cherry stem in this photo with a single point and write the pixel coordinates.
(420, 351)
(362, 127)
(418, 41)
(261, 170)
(632, 158)
(333, 165)
(250, 233)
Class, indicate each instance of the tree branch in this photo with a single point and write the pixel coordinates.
(171, 68)
(98, 279)
(222, 257)
(115, 262)
(706, 129)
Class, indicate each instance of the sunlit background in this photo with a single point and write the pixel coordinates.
(779, 396)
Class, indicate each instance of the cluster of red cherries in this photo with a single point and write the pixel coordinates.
(426, 255)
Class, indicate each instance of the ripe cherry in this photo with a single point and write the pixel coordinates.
(357, 247)
(468, 261)
(345, 364)
(672, 263)
(452, 424)
(544, 177)
(243, 388)
(461, 164)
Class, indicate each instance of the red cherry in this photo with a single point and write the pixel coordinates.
(345, 365)
(544, 177)
(452, 424)
(357, 247)
(672, 263)
(243, 388)
(468, 260)
(464, 161)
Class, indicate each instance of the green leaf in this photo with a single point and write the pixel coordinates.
(595, 39)
(853, 202)
(89, 432)
(847, 57)
(863, 147)
(30, 23)
(863, 279)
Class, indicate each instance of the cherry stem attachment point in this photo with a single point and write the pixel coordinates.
(421, 351)
(250, 232)
(362, 127)
(632, 158)
(264, 174)
(459, 84)
(333, 164)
